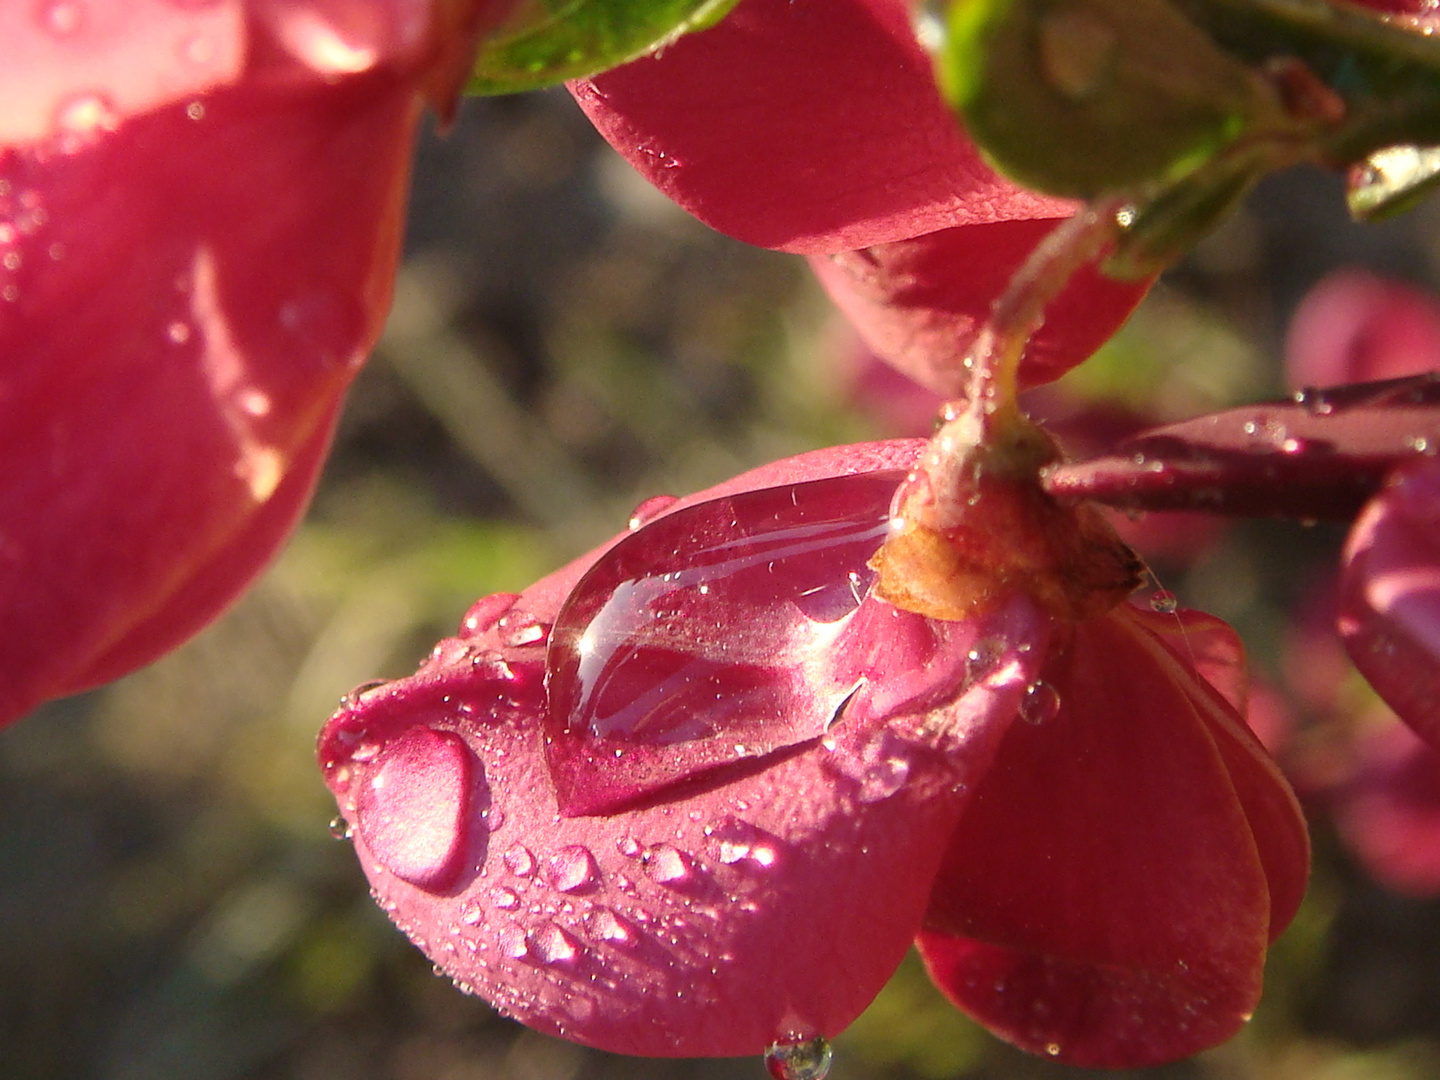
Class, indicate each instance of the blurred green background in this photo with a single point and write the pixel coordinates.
(564, 344)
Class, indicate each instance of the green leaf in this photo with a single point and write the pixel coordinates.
(1084, 97)
(545, 42)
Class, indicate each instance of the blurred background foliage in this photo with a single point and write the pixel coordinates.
(564, 344)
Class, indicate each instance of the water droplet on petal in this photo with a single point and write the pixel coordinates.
(1053, 1049)
(512, 942)
(735, 841)
(414, 809)
(650, 509)
(704, 637)
(195, 110)
(629, 847)
(1164, 602)
(505, 899)
(1040, 703)
(518, 628)
(573, 869)
(666, 865)
(486, 612)
(602, 924)
(339, 828)
(520, 861)
(799, 1059)
(552, 945)
(178, 332)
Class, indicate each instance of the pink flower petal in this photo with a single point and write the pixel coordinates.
(1105, 899)
(1390, 595)
(804, 127)
(919, 302)
(1357, 327)
(163, 416)
(1389, 813)
(768, 899)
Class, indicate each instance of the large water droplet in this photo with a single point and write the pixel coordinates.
(1164, 602)
(505, 899)
(799, 1059)
(573, 869)
(414, 808)
(706, 637)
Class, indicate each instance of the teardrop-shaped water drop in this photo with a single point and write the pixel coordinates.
(413, 810)
(650, 509)
(799, 1059)
(704, 637)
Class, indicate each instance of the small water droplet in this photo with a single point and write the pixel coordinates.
(1053, 1049)
(520, 861)
(981, 658)
(494, 818)
(602, 924)
(572, 868)
(513, 944)
(650, 509)
(1419, 443)
(735, 841)
(339, 828)
(486, 612)
(178, 332)
(1164, 602)
(518, 628)
(1314, 401)
(553, 945)
(666, 864)
(1040, 704)
(628, 846)
(12, 260)
(505, 899)
(794, 1058)
(195, 110)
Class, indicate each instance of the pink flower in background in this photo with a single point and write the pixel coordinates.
(697, 793)
(200, 208)
(818, 129)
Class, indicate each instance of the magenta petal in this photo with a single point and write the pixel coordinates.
(919, 302)
(1357, 327)
(805, 127)
(163, 418)
(704, 922)
(1390, 595)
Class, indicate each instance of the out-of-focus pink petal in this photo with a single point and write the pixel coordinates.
(1357, 327)
(1107, 897)
(1388, 814)
(183, 301)
(771, 899)
(919, 302)
(1390, 595)
(805, 127)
